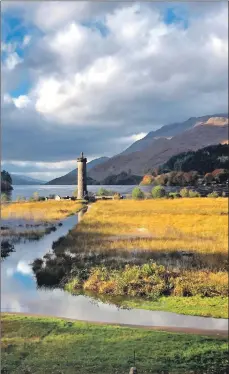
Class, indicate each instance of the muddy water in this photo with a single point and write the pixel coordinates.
(19, 293)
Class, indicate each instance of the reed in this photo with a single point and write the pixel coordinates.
(50, 210)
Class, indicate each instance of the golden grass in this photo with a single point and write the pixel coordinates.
(50, 210)
(198, 225)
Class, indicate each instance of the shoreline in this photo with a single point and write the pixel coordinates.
(202, 332)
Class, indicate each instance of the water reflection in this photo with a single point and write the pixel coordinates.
(19, 293)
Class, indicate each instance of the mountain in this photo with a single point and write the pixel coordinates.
(204, 160)
(197, 133)
(24, 180)
(71, 177)
(169, 131)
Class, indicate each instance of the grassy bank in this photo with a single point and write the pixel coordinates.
(50, 210)
(47, 345)
(216, 307)
(147, 249)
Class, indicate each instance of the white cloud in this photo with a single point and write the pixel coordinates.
(21, 101)
(24, 268)
(12, 61)
(138, 74)
(141, 57)
(45, 165)
(26, 40)
(133, 138)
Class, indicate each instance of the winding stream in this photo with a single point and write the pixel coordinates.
(19, 294)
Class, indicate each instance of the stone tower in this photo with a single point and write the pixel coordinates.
(82, 177)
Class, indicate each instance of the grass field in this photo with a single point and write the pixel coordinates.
(187, 239)
(50, 210)
(53, 346)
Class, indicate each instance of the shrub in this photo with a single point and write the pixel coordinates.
(184, 192)
(158, 192)
(103, 192)
(203, 284)
(213, 194)
(194, 193)
(137, 193)
(41, 198)
(73, 285)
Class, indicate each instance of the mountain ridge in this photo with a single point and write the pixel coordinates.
(71, 177)
(18, 180)
(160, 150)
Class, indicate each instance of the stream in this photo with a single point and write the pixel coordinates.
(19, 294)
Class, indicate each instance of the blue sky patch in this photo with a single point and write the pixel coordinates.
(175, 15)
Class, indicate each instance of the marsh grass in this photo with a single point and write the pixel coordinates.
(42, 345)
(188, 238)
(49, 210)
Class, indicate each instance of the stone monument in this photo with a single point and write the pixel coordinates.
(82, 177)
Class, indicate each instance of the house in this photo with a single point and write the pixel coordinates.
(57, 197)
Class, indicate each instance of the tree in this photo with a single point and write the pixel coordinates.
(137, 193)
(147, 180)
(208, 178)
(158, 192)
(6, 177)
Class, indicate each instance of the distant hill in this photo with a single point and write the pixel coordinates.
(24, 180)
(71, 177)
(195, 134)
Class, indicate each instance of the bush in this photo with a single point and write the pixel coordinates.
(194, 193)
(213, 194)
(137, 193)
(158, 192)
(103, 192)
(204, 284)
(184, 192)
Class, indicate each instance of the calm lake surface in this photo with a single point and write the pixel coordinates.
(46, 190)
(19, 293)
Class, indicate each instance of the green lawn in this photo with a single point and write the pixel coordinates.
(48, 345)
(197, 306)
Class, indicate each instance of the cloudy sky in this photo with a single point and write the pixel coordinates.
(96, 76)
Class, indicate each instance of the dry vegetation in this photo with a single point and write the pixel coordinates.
(144, 248)
(198, 225)
(50, 210)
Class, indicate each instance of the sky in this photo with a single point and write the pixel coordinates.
(97, 76)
